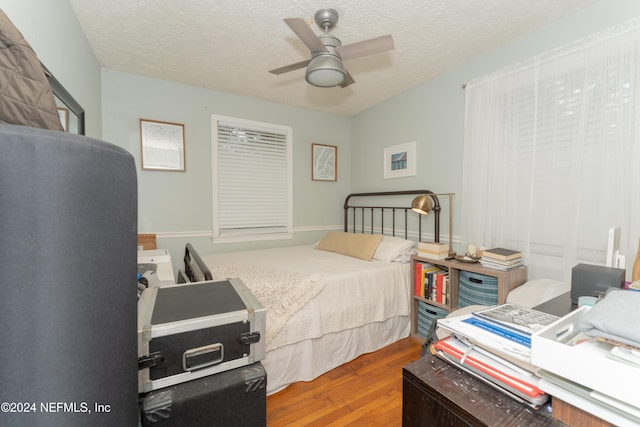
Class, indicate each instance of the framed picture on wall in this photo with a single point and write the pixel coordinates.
(324, 162)
(400, 160)
(162, 145)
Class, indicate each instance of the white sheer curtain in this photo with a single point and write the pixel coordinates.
(552, 154)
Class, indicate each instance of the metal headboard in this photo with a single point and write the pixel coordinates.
(404, 211)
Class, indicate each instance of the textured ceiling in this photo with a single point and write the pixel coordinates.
(230, 45)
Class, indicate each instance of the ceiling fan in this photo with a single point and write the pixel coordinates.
(325, 68)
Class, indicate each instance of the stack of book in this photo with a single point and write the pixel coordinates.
(494, 345)
(501, 259)
(432, 282)
(433, 250)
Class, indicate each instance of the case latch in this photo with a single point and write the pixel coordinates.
(150, 360)
(250, 338)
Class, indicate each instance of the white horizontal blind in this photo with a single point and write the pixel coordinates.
(251, 178)
(551, 152)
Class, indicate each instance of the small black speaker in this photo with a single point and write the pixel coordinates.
(592, 280)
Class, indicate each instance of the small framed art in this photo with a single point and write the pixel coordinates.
(324, 162)
(400, 160)
(162, 145)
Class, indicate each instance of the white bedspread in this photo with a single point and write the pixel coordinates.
(281, 292)
(356, 292)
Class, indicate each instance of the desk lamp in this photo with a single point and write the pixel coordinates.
(426, 203)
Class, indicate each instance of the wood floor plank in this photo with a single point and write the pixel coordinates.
(369, 414)
(366, 391)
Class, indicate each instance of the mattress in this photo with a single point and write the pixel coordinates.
(363, 306)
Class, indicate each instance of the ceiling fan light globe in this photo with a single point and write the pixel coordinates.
(325, 78)
(326, 70)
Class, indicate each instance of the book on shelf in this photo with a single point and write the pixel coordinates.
(440, 292)
(437, 286)
(433, 250)
(501, 265)
(433, 247)
(418, 279)
(432, 255)
(422, 275)
(431, 282)
(509, 263)
(501, 254)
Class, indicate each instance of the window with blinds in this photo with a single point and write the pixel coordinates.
(251, 180)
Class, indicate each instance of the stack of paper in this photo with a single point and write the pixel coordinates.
(514, 381)
(502, 346)
(495, 345)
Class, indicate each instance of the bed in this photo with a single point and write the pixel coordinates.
(334, 307)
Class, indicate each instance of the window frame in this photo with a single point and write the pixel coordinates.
(249, 234)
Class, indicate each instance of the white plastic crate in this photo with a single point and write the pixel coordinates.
(558, 348)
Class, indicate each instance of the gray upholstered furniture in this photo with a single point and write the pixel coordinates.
(68, 215)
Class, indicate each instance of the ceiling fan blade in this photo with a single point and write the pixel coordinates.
(366, 47)
(304, 33)
(348, 81)
(290, 67)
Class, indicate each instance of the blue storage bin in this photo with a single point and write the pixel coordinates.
(477, 289)
(427, 314)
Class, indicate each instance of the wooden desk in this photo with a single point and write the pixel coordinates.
(435, 393)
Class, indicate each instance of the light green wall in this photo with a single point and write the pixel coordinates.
(180, 203)
(432, 114)
(53, 31)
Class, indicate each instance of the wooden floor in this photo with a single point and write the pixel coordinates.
(364, 392)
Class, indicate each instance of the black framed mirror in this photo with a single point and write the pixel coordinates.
(71, 113)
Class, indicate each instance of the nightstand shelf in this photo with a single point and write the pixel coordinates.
(507, 281)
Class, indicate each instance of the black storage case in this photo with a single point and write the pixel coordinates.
(193, 330)
(592, 280)
(231, 398)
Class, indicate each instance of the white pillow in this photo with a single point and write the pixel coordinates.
(536, 291)
(394, 249)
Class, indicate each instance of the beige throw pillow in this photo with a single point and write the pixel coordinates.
(361, 246)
